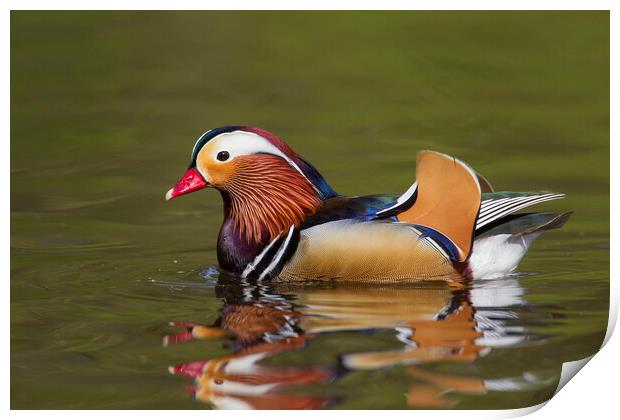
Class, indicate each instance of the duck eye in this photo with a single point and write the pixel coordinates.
(223, 156)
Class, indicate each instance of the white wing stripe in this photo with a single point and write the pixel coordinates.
(513, 203)
(403, 198)
(489, 204)
(504, 202)
(437, 247)
(514, 207)
(504, 206)
(511, 207)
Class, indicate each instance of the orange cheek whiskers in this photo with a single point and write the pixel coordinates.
(268, 196)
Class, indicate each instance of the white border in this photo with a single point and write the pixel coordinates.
(593, 394)
(309, 5)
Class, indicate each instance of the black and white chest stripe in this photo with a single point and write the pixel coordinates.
(273, 257)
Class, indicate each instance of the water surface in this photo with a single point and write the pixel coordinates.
(105, 110)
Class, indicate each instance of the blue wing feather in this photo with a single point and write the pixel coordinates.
(357, 208)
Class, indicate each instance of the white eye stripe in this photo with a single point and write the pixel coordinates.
(240, 143)
(243, 143)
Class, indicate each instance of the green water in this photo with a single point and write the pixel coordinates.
(105, 108)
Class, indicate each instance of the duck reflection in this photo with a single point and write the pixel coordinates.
(436, 322)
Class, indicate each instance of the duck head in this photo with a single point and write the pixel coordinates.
(265, 185)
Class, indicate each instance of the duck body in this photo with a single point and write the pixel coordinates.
(366, 251)
(282, 220)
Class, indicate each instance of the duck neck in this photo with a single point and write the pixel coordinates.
(259, 206)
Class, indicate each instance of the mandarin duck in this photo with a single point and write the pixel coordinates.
(283, 221)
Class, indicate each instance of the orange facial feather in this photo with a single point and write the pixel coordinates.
(267, 196)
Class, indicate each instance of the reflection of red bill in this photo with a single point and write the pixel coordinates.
(191, 370)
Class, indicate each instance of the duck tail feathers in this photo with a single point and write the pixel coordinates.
(498, 250)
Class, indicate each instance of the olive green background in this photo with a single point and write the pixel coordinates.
(106, 106)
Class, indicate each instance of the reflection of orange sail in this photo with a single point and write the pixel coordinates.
(431, 393)
(449, 339)
(433, 324)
